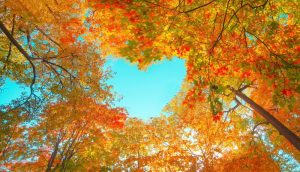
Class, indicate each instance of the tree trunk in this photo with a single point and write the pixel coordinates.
(288, 134)
(52, 158)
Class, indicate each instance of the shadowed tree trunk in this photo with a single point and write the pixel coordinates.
(53, 156)
(283, 130)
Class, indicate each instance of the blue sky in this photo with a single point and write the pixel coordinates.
(145, 93)
(10, 90)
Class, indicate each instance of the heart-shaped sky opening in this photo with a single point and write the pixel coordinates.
(145, 93)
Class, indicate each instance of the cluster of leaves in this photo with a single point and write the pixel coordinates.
(57, 48)
(70, 135)
(224, 42)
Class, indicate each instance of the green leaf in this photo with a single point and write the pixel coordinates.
(147, 52)
(298, 89)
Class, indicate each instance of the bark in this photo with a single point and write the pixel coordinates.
(53, 156)
(21, 50)
(283, 130)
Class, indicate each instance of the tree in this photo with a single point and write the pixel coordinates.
(11, 132)
(221, 40)
(214, 141)
(68, 130)
(234, 51)
(36, 52)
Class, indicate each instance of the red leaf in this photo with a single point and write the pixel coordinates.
(67, 40)
(246, 74)
(140, 60)
(287, 92)
(222, 70)
(189, 1)
(216, 118)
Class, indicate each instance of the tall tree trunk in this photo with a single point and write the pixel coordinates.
(283, 130)
(53, 156)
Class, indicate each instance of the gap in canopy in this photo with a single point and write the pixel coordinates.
(146, 93)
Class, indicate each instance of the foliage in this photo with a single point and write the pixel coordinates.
(68, 122)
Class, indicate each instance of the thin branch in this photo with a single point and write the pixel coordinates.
(271, 52)
(29, 44)
(223, 28)
(22, 51)
(214, 24)
(46, 35)
(246, 86)
(196, 8)
(258, 124)
(57, 73)
(10, 44)
(64, 69)
(235, 15)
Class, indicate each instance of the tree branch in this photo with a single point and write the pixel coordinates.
(196, 8)
(271, 52)
(10, 44)
(22, 51)
(46, 35)
(258, 124)
(223, 28)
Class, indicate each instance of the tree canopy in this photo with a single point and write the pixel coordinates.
(232, 48)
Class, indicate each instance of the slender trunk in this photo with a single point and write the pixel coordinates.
(288, 134)
(52, 158)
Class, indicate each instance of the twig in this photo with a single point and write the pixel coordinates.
(196, 8)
